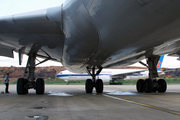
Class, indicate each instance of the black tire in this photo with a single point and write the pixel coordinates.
(39, 86)
(140, 85)
(148, 86)
(155, 86)
(99, 86)
(20, 86)
(162, 86)
(89, 86)
(25, 89)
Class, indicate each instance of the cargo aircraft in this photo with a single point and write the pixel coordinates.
(90, 35)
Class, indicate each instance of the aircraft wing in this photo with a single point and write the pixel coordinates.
(163, 72)
(20, 31)
(123, 75)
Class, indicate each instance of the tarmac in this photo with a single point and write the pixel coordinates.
(70, 102)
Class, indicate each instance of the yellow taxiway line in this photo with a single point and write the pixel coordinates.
(145, 105)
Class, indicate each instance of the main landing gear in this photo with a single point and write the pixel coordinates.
(151, 84)
(91, 83)
(23, 85)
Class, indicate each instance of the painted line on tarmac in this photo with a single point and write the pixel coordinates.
(145, 105)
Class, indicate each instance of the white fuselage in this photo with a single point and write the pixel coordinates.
(106, 75)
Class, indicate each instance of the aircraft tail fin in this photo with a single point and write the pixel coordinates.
(160, 62)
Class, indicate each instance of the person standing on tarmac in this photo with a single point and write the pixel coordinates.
(7, 83)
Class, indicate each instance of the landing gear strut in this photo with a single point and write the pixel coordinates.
(24, 84)
(91, 83)
(151, 84)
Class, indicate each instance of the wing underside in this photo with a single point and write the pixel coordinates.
(42, 27)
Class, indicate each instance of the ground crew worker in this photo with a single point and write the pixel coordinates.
(7, 83)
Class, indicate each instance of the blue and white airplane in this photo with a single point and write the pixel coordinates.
(112, 74)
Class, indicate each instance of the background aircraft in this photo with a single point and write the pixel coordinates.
(112, 74)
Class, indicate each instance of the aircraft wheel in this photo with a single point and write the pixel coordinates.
(162, 86)
(154, 85)
(89, 86)
(140, 85)
(99, 86)
(39, 86)
(20, 86)
(148, 86)
(25, 89)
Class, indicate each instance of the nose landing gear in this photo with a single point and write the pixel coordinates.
(93, 83)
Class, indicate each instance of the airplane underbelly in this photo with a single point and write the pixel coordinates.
(81, 37)
(112, 33)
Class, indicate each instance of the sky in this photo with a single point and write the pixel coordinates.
(9, 7)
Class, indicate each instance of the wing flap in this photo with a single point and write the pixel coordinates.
(6, 51)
